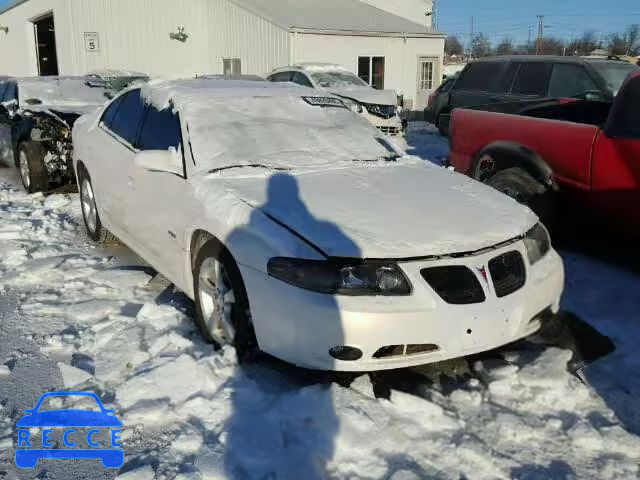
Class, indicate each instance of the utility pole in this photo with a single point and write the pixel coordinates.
(540, 33)
(529, 40)
(434, 10)
(471, 37)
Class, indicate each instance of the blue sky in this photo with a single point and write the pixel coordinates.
(500, 18)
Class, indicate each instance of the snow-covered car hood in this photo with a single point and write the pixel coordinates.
(366, 94)
(392, 210)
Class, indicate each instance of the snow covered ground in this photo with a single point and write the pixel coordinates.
(73, 316)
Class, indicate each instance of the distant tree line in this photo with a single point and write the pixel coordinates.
(620, 43)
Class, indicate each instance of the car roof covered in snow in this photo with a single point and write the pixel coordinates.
(235, 123)
(64, 93)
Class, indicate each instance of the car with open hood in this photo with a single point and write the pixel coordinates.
(299, 229)
(380, 107)
(36, 118)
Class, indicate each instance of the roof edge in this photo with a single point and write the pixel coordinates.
(359, 33)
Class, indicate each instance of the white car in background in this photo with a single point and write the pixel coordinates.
(380, 107)
(298, 229)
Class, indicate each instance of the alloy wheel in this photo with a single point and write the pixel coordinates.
(24, 169)
(89, 209)
(217, 301)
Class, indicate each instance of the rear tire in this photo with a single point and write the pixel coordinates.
(222, 306)
(522, 187)
(33, 170)
(89, 207)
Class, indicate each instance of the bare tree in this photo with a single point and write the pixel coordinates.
(583, 45)
(505, 47)
(617, 44)
(632, 37)
(550, 46)
(480, 46)
(452, 46)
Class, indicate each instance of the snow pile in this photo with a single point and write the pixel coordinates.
(193, 413)
(60, 93)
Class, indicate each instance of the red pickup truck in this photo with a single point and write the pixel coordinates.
(589, 152)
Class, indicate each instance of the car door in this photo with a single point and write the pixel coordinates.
(9, 100)
(158, 209)
(112, 153)
(615, 183)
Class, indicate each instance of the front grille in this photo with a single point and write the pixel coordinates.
(393, 131)
(384, 111)
(456, 285)
(508, 273)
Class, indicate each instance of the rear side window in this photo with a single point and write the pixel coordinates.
(301, 79)
(481, 76)
(280, 77)
(126, 122)
(160, 130)
(110, 112)
(532, 79)
(570, 81)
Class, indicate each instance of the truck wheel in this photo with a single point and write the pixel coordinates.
(33, 171)
(522, 187)
(222, 306)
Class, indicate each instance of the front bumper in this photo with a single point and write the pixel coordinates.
(389, 126)
(301, 327)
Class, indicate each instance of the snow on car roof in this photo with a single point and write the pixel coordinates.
(116, 73)
(60, 93)
(234, 123)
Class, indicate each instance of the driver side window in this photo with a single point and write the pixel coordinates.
(301, 79)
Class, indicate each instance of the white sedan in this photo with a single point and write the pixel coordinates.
(299, 230)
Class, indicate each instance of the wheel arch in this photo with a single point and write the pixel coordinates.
(506, 154)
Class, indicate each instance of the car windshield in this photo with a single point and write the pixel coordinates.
(615, 74)
(63, 92)
(337, 79)
(283, 131)
(69, 402)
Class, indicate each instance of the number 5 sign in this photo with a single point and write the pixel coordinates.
(91, 42)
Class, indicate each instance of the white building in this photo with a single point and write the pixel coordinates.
(190, 37)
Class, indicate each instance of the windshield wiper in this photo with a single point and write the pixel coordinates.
(250, 165)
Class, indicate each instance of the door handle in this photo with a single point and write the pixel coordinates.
(495, 99)
(131, 183)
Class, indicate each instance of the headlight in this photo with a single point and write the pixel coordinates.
(353, 105)
(537, 243)
(343, 278)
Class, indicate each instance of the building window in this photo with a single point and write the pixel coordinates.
(231, 66)
(371, 70)
(426, 75)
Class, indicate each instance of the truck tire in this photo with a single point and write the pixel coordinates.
(522, 187)
(33, 170)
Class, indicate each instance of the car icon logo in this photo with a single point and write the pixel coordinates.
(101, 440)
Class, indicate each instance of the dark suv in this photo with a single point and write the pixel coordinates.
(521, 78)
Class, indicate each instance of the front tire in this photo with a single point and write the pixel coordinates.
(89, 207)
(522, 187)
(33, 170)
(222, 306)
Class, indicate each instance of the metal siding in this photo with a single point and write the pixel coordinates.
(401, 56)
(134, 35)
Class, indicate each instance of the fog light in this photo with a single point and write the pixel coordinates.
(347, 354)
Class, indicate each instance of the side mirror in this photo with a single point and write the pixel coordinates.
(594, 96)
(168, 161)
